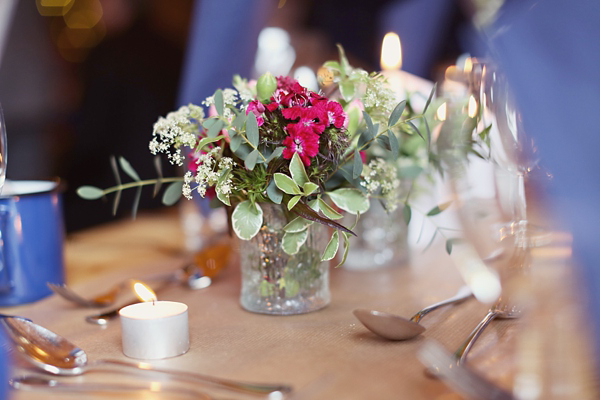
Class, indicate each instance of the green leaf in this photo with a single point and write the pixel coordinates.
(332, 65)
(369, 122)
(451, 242)
(250, 161)
(247, 218)
(365, 137)
(397, 113)
(328, 211)
(350, 200)
(298, 224)
(428, 133)
(219, 101)
(306, 212)
(344, 64)
(275, 195)
(125, 166)
(346, 248)
(430, 97)
(292, 241)
(394, 145)
(275, 154)
(297, 170)
(293, 201)
(172, 193)
(252, 129)
(215, 128)
(314, 204)
(309, 188)
(347, 90)
(223, 197)
(385, 141)
(414, 127)
(357, 166)
(158, 168)
(208, 140)
(286, 184)
(438, 209)
(239, 121)
(407, 213)
(235, 142)
(136, 201)
(90, 192)
(209, 122)
(332, 247)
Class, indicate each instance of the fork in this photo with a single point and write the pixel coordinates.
(460, 378)
(109, 297)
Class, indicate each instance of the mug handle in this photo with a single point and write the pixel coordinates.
(5, 279)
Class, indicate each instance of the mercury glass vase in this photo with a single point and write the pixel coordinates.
(274, 282)
(381, 239)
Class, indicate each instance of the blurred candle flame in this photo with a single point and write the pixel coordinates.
(441, 112)
(468, 65)
(391, 52)
(472, 109)
(143, 292)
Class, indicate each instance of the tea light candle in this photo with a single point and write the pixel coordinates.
(153, 330)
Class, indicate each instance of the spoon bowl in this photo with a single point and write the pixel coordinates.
(395, 327)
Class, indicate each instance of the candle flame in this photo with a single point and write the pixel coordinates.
(472, 109)
(391, 52)
(468, 67)
(441, 112)
(143, 292)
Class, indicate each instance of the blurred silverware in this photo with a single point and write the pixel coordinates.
(395, 327)
(188, 274)
(500, 310)
(460, 378)
(54, 354)
(45, 384)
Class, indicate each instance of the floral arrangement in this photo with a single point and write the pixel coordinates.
(274, 141)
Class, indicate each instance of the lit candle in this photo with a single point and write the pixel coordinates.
(401, 82)
(391, 62)
(154, 329)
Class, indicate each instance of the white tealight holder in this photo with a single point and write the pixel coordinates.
(154, 330)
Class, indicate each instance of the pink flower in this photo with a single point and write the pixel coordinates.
(258, 109)
(307, 119)
(332, 112)
(306, 144)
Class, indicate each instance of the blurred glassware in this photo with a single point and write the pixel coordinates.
(2, 149)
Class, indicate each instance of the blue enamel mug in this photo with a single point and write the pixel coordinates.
(31, 240)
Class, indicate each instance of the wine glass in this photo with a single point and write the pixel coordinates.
(2, 149)
(491, 163)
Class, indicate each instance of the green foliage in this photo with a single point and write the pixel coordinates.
(90, 192)
(246, 219)
(350, 200)
(292, 241)
(172, 194)
(332, 247)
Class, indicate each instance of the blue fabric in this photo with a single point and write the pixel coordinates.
(550, 52)
(222, 42)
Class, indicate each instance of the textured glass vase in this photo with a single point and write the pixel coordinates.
(274, 282)
(381, 239)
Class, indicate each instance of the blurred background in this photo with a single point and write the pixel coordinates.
(82, 80)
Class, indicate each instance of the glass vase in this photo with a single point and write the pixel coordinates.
(381, 239)
(274, 282)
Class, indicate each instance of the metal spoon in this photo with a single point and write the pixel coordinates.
(395, 327)
(52, 353)
(500, 310)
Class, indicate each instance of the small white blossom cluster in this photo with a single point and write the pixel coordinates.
(208, 173)
(379, 96)
(176, 130)
(381, 177)
(229, 99)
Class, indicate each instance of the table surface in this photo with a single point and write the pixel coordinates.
(326, 354)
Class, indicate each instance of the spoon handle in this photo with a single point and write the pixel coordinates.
(462, 294)
(461, 353)
(253, 388)
(31, 382)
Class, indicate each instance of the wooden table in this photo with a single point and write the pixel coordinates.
(326, 354)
